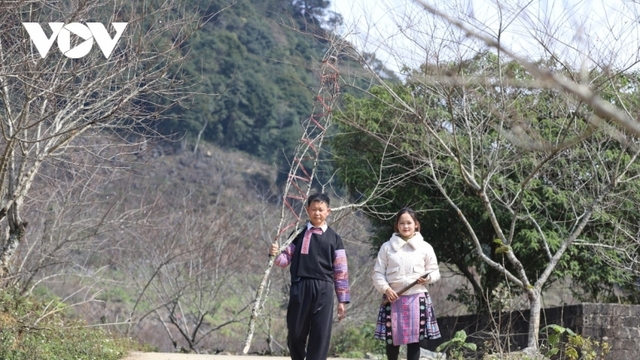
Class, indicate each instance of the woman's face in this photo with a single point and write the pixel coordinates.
(406, 226)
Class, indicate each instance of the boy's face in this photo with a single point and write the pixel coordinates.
(318, 212)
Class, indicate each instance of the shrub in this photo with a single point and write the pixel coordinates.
(562, 343)
(354, 342)
(456, 347)
(32, 330)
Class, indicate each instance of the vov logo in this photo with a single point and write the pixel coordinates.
(89, 32)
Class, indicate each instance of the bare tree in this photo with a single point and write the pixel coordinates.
(499, 127)
(50, 100)
(194, 274)
(76, 215)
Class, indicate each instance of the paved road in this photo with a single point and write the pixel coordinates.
(172, 356)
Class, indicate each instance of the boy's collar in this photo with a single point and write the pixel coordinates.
(323, 227)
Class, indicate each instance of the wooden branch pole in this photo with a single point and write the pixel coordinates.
(404, 289)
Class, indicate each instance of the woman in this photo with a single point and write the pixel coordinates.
(407, 318)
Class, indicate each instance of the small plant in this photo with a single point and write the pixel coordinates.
(575, 346)
(554, 338)
(33, 330)
(456, 347)
(356, 342)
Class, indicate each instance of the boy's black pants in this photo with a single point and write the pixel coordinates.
(310, 315)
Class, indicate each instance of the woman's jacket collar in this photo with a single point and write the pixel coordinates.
(397, 242)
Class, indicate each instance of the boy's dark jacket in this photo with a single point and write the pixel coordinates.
(318, 263)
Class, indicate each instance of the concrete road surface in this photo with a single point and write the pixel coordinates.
(172, 356)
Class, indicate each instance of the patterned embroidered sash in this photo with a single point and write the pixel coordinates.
(307, 239)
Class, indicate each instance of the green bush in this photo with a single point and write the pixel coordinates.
(32, 330)
(457, 346)
(562, 343)
(356, 342)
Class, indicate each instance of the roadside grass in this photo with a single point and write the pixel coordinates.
(32, 329)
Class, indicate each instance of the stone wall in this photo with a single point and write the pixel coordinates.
(618, 325)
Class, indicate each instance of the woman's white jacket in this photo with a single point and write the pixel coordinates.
(401, 262)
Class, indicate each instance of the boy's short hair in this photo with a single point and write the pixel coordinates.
(319, 197)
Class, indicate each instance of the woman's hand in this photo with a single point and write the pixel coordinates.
(423, 280)
(391, 295)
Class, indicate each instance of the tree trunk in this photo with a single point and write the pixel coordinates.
(14, 237)
(534, 318)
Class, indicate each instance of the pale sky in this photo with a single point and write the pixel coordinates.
(581, 32)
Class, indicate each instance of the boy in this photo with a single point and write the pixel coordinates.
(318, 267)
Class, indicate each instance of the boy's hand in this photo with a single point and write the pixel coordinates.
(273, 251)
(342, 311)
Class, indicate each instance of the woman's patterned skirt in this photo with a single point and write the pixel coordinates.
(407, 320)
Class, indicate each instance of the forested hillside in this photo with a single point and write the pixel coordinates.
(251, 66)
